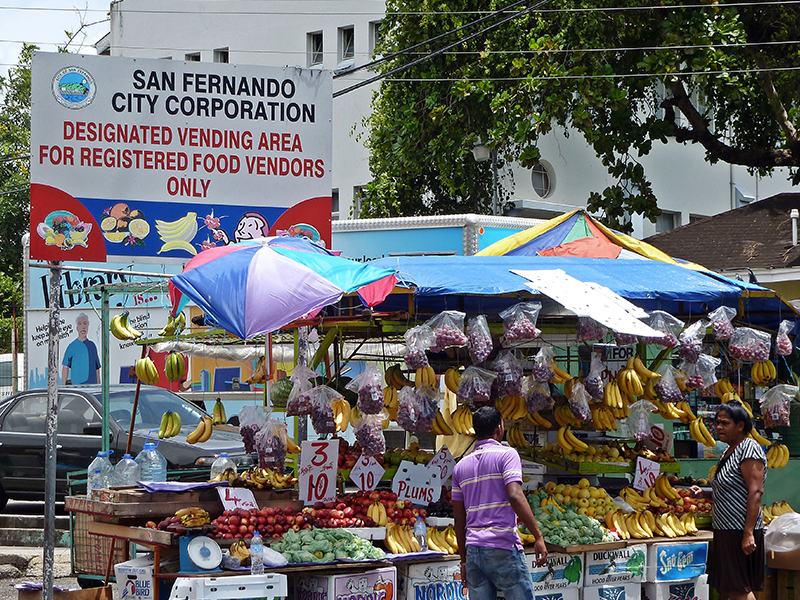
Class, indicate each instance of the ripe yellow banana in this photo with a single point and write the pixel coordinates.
(197, 433)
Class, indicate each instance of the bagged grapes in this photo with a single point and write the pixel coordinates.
(251, 419)
(407, 409)
(519, 322)
(369, 389)
(624, 339)
(322, 399)
(368, 430)
(667, 388)
(537, 395)
(691, 341)
(475, 386)
(669, 327)
(427, 403)
(542, 370)
(594, 382)
(721, 322)
(579, 402)
(639, 419)
(783, 345)
(589, 330)
(418, 340)
(299, 402)
(271, 445)
(448, 330)
(775, 405)
(749, 344)
(509, 375)
(479, 339)
(702, 374)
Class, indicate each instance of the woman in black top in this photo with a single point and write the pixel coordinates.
(736, 562)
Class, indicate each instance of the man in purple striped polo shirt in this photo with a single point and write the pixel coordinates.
(487, 499)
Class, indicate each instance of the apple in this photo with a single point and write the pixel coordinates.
(243, 529)
(279, 528)
(238, 536)
(392, 496)
(423, 513)
(408, 514)
(319, 505)
(307, 526)
(271, 520)
(296, 527)
(269, 529)
(251, 528)
(228, 536)
(299, 520)
(400, 504)
(330, 505)
(288, 510)
(245, 521)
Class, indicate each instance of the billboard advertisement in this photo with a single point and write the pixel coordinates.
(153, 159)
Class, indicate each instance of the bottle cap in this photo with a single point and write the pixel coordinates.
(223, 455)
(124, 456)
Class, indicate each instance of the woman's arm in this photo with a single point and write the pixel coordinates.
(753, 473)
(699, 492)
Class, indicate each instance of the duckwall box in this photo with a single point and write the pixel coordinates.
(626, 591)
(693, 589)
(562, 571)
(619, 566)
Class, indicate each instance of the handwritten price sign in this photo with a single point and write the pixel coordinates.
(236, 498)
(317, 474)
(661, 437)
(444, 463)
(646, 473)
(417, 483)
(366, 473)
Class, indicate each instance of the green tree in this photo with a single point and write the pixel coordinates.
(623, 75)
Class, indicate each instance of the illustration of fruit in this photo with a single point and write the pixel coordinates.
(139, 228)
(108, 223)
(63, 229)
(177, 235)
(120, 224)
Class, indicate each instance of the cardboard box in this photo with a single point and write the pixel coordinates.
(693, 589)
(677, 561)
(788, 561)
(135, 579)
(378, 584)
(422, 581)
(623, 591)
(561, 571)
(620, 566)
(560, 594)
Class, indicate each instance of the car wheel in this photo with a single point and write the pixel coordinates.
(3, 498)
(89, 582)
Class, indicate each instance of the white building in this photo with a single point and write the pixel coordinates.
(337, 34)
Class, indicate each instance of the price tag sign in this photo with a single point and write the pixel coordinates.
(237, 497)
(416, 483)
(661, 437)
(317, 474)
(366, 473)
(444, 463)
(646, 473)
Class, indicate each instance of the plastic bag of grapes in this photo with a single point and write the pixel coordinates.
(322, 399)
(749, 344)
(537, 395)
(701, 374)
(299, 401)
(426, 403)
(448, 330)
(542, 370)
(519, 322)
(775, 405)
(667, 388)
(669, 327)
(721, 322)
(475, 386)
(271, 445)
(479, 339)
(783, 345)
(251, 418)
(368, 430)
(579, 403)
(639, 419)
(369, 390)
(589, 330)
(418, 340)
(594, 382)
(691, 341)
(509, 375)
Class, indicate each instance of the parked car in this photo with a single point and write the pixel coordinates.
(22, 435)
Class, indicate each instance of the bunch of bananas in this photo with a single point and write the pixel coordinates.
(193, 517)
(685, 412)
(175, 366)
(602, 417)
(259, 373)
(440, 426)
(628, 379)
(644, 524)
(644, 373)
(425, 376)
(775, 510)
(462, 420)
(400, 539)
(170, 425)
(240, 550)
(395, 377)
(669, 410)
(612, 396)
(377, 512)
(551, 503)
(146, 371)
(777, 456)
(516, 438)
(664, 488)
(644, 500)
(291, 445)
(512, 407)
(681, 380)
(762, 441)
(561, 376)
(568, 441)
(442, 540)
(763, 372)
(451, 378)
(538, 420)
(228, 475)
(701, 434)
(564, 417)
(390, 402)
(218, 414)
(120, 327)
(260, 478)
(341, 414)
(174, 325)
(201, 433)
(722, 387)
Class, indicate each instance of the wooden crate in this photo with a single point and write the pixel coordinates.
(90, 552)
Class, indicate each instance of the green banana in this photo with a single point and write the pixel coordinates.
(162, 428)
(169, 329)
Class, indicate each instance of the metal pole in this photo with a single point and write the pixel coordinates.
(48, 553)
(14, 361)
(105, 369)
(495, 195)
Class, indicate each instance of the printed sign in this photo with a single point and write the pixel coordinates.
(237, 497)
(416, 483)
(646, 473)
(661, 437)
(366, 473)
(622, 565)
(561, 571)
(136, 158)
(317, 475)
(444, 463)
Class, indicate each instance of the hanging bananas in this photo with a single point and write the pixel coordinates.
(175, 366)
(612, 396)
(538, 420)
(146, 371)
(512, 407)
(201, 433)
(395, 377)
(170, 425)
(451, 377)
(516, 438)
(440, 426)
(700, 433)
(462, 420)
(219, 416)
(174, 325)
(390, 402)
(120, 327)
(628, 379)
(777, 456)
(342, 414)
(763, 372)
(425, 376)
(561, 376)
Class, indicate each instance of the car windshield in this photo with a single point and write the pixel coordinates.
(153, 403)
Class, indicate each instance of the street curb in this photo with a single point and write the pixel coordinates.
(33, 538)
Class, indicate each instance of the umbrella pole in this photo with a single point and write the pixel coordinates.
(133, 412)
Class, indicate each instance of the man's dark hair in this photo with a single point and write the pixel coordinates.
(738, 414)
(485, 420)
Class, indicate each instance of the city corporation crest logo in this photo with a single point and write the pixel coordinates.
(74, 87)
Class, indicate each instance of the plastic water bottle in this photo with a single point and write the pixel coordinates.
(421, 533)
(222, 464)
(103, 464)
(256, 555)
(94, 484)
(152, 465)
(126, 472)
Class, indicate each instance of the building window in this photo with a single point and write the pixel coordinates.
(221, 55)
(193, 57)
(374, 36)
(335, 205)
(346, 43)
(542, 180)
(356, 210)
(666, 221)
(314, 48)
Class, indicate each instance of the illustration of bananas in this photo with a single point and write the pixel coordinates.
(177, 235)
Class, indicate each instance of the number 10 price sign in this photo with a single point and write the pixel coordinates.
(317, 474)
(366, 473)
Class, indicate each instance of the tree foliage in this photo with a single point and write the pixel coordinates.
(624, 74)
